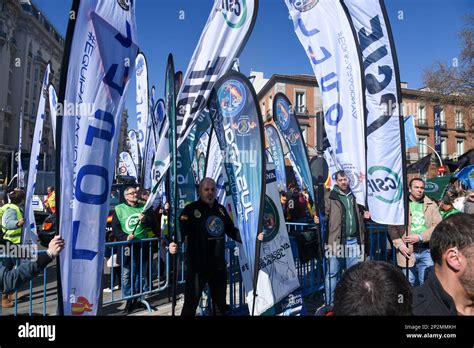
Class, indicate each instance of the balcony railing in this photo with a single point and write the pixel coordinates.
(460, 126)
(444, 125)
(422, 123)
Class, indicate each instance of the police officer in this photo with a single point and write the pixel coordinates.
(204, 223)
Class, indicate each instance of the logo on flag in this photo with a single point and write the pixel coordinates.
(282, 113)
(304, 5)
(293, 136)
(431, 187)
(271, 220)
(124, 4)
(384, 184)
(82, 305)
(244, 125)
(234, 12)
(232, 96)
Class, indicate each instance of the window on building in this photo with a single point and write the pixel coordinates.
(422, 148)
(35, 91)
(459, 122)
(444, 148)
(304, 131)
(459, 146)
(36, 74)
(300, 102)
(27, 89)
(442, 118)
(422, 115)
(33, 109)
(28, 69)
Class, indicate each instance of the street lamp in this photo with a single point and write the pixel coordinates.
(437, 154)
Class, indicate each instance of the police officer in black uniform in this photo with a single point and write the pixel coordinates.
(204, 223)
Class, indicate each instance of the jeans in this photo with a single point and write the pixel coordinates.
(132, 274)
(423, 260)
(335, 264)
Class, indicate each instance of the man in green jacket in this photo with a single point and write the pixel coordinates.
(126, 217)
(344, 232)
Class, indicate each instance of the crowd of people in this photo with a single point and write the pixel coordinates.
(434, 252)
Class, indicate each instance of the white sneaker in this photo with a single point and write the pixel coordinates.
(116, 287)
(107, 290)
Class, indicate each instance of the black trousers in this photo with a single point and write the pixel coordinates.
(195, 282)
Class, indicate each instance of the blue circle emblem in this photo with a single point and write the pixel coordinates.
(283, 114)
(231, 96)
(214, 226)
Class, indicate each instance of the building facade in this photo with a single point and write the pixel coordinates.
(28, 41)
(457, 121)
(304, 95)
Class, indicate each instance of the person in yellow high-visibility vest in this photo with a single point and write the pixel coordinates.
(12, 217)
(12, 223)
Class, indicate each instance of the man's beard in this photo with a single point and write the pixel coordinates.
(467, 279)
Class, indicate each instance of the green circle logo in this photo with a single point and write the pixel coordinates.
(431, 187)
(384, 184)
(131, 221)
(234, 12)
(271, 220)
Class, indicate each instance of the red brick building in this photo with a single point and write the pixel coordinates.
(457, 122)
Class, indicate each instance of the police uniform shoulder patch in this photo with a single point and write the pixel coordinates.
(197, 214)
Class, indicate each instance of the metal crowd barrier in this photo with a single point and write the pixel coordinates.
(310, 274)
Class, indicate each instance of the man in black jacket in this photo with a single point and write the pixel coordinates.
(12, 279)
(449, 289)
(204, 223)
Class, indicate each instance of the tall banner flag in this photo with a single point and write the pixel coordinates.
(411, 139)
(285, 119)
(101, 61)
(385, 129)
(29, 229)
(141, 74)
(186, 189)
(132, 141)
(214, 166)
(126, 159)
(237, 122)
(170, 98)
(437, 128)
(274, 145)
(20, 173)
(153, 116)
(326, 35)
(466, 176)
(160, 113)
(147, 175)
(161, 132)
(53, 104)
(201, 126)
(198, 140)
(277, 277)
(227, 29)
